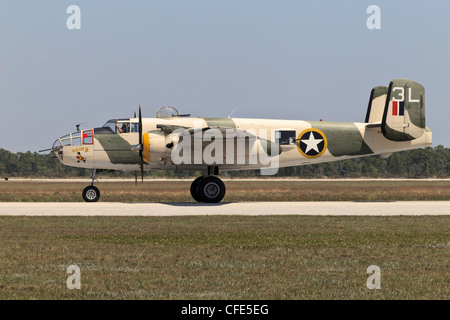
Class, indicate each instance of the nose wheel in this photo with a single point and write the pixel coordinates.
(209, 189)
(91, 194)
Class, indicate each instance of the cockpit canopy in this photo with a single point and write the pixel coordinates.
(119, 126)
(113, 126)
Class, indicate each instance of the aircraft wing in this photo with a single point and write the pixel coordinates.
(158, 143)
(237, 135)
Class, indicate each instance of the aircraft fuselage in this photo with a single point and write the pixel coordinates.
(298, 142)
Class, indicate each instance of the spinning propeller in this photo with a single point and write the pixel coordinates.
(141, 146)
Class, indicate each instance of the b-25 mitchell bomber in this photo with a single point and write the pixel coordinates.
(395, 121)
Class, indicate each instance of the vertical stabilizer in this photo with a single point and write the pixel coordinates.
(376, 105)
(404, 112)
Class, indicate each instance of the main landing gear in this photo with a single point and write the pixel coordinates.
(208, 189)
(91, 193)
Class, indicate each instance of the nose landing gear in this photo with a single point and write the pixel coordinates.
(91, 193)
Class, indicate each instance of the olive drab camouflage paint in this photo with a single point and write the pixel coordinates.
(404, 114)
(395, 121)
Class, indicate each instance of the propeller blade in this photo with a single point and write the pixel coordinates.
(141, 154)
(142, 173)
(140, 124)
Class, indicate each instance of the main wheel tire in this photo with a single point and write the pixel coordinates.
(91, 194)
(211, 189)
(194, 190)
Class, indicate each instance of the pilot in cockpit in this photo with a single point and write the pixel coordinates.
(123, 129)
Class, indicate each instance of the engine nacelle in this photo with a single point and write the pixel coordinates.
(157, 147)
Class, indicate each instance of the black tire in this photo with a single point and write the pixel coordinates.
(91, 194)
(211, 189)
(194, 190)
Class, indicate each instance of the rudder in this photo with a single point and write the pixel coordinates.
(377, 102)
(404, 112)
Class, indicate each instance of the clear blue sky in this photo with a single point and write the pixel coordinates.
(304, 60)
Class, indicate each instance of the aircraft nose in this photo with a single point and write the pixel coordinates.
(57, 149)
(70, 139)
(57, 144)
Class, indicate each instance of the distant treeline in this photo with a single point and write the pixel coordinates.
(419, 163)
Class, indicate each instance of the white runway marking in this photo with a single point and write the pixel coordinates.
(342, 208)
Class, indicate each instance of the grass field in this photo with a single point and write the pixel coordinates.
(226, 257)
(237, 190)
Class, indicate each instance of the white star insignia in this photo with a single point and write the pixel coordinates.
(311, 143)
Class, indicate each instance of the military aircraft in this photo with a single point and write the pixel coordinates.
(395, 121)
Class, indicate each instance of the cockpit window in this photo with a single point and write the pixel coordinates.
(76, 138)
(111, 125)
(88, 136)
(65, 140)
(121, 126)
(285, 137)
(135, 127)
(71, 139)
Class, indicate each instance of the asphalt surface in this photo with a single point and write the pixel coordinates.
(341, 208)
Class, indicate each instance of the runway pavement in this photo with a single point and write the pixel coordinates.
(342, 208)
(270, 179)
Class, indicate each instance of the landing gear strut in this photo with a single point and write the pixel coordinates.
(91, 193)
(208, 189)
